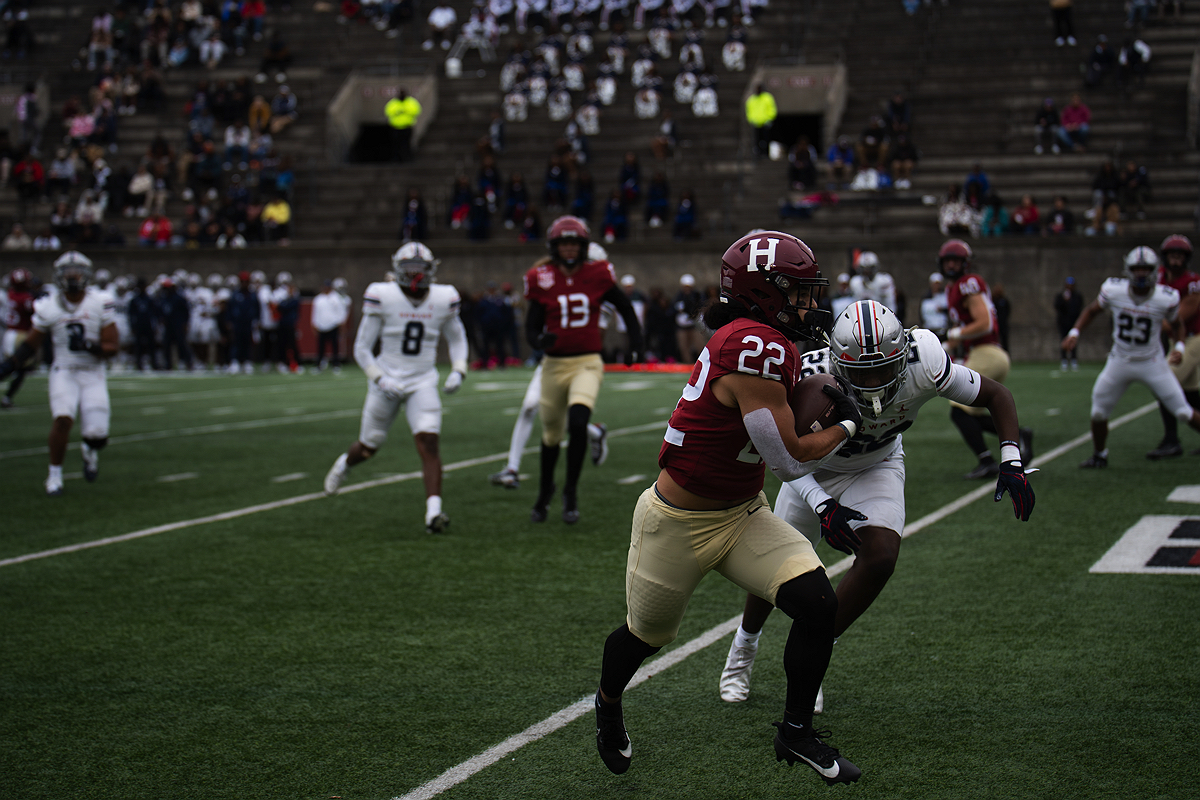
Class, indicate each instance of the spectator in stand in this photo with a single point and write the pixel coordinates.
(531, 225)
(140, 194)
(213, 50)
(488, 181)
(283, 110)
(955, 217)
(414, 227)
(1100, 63)
(276, 59)
(277, 220)
(61, 178)
(663, 143)
(330, 310)
(479, 220)
(1025, 217)
(687, 306)
(237, 145)
(841, 162)
(516, 200)
(402, 112)
(585, 196)
(904, 156)
(979, 179)
(1046, 126)
(871, 150)
(47, 241)
(258, 116)
(1134, 189)
(230, 239)
(898, 115)
(1132, 59)
(554, 193)
(1137, 12)
(460, 202)
(17, 239)
(1068, 305)
(28, 117)
(761, 113)
(995, 217)
(443, 26)
(1061, 221)
(1076, 125)
(802, 165)
(1064, 26)
(155, 231)
(658, 195)
(62, 221)
(630, 179)
(615, 224)
(684, 226)
(1106, 186)
(30, 179)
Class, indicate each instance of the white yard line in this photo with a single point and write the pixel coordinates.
(457, 774)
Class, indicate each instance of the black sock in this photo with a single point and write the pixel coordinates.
(812, 604)
(1170, 426)
(971, 431)
(623, 654)
(549, 462)
(577, 447)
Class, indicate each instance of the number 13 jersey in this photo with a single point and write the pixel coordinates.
(572, 304)
(1137, 320)
(707, 449)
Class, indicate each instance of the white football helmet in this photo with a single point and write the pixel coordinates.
(215, 281)
(1145, 260)
(339, 284)
(283, 278)
(193, 280)
(596, 252)
(258, 278)
(869, 353)
(868, 263)
(72, 271)
(103, 277)
(233, 282)
(414, 267)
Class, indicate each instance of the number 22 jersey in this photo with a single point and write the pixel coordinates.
(707, 449)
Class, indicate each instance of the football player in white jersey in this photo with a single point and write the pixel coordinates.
(871, 284)
(407, 317)
(510, 476)
(79, 319)
(856, 499)
(1139, 306)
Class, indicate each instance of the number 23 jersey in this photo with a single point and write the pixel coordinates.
(707, 449)
(1137, 321)
(408, 338)
(930, 374)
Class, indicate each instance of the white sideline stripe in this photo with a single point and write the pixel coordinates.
(458, 774)
(290, 501)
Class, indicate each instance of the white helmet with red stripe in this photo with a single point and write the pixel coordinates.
(869, 353)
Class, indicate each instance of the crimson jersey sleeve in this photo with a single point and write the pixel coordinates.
(956, 299)
(19, 314)
(572, 304)
(706, 449)
(1185, 284)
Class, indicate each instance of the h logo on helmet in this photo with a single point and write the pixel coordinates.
(756, 251)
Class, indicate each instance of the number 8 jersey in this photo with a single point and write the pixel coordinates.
(409, 330)
(707, 449)
(1137, 320)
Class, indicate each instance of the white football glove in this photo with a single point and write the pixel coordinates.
(453, 382)
(390, 386)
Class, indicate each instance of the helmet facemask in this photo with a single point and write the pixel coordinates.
(869, 353)
(874, 383)
(796, 321)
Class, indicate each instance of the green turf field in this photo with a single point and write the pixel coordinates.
(331, 648)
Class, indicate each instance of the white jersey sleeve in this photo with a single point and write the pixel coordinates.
(1137, 320)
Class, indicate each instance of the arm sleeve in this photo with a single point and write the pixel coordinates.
(364, 342)
(961, 385)
(535, 321)
(810, 491)
(620, 301)
(456, 339)
(760, 424)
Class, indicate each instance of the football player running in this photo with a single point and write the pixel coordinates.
(510, 476)
(18, 322)
(707, 510)
(1176, 251)
(856, 499)
(565, 291)
(1139, 308)
(974, 328)
(871, 284)
(79, 320)
(407, 317)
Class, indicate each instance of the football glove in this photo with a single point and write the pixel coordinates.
(835, 526)
(844, 406)
(546, 340)
(453, 382)
(1013, 480)
(390, 386)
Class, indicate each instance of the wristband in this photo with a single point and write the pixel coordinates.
(459, 365)
(1009, 452)
(849, 427)
(1073, 332)
(954, 333)
(1180, 346)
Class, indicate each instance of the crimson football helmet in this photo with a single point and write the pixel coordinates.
(20, 278)
(568, 228)
(959, 253)
(1176, 243)
(414, 267)
(760, 270)
(869, 352)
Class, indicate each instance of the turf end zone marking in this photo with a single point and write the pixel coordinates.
(457, 774)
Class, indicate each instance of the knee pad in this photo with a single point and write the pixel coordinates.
(809, 597)
(96, 443)
(578, 417)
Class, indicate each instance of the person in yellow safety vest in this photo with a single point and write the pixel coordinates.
(761, 113)
(402, 112)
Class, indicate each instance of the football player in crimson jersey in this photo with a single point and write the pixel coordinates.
(18, 321)
(856, 499)
(974, 328)
(565, 291)
(707, 511)
(1176, 251)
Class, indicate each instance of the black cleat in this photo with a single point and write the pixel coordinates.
(989, 469)
(539, 513)
(570, 513)
(612, 740)
(1094, 461)
(1165, 450)
(1025, 444)
(809, 749)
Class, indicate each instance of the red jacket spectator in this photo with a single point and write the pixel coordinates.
(155, 231)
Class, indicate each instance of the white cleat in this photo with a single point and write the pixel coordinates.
(599, 446)
(819, 706)
(91, 463)
(437, 524)
(54, 486)
(735, 678)
(335, 476)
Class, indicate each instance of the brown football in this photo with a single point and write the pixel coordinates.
(812, 408)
